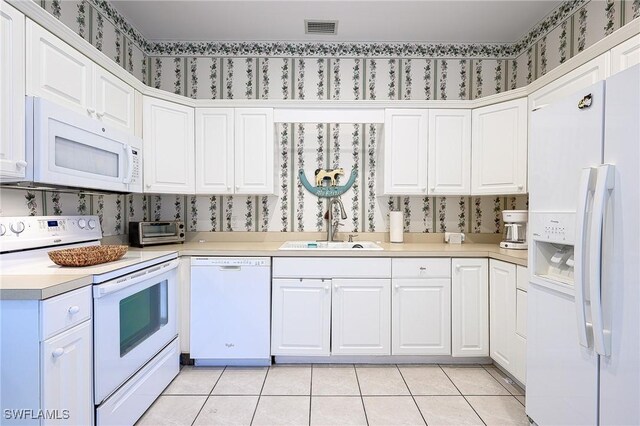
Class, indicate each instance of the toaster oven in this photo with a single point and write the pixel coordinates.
(149, 233)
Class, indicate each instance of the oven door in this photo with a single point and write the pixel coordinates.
(134, 319)
(72, 150)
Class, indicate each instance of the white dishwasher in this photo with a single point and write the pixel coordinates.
(230, 310)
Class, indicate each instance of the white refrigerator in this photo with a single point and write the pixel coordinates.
(583, 337)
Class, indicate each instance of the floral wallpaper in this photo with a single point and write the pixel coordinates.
(351, 71)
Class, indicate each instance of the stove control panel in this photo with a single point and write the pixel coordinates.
(20, 233)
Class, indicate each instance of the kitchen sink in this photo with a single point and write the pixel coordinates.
(333, 245)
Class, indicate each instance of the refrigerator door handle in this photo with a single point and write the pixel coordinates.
(587, 180)
(604, 184)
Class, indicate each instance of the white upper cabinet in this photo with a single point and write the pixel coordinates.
(449, 152)
(254, 151)
(469, 307)
(114, 100)
(625, 55)
(168, 149)
(499, 149)
(405, 151)
(12, 147)
(58, 72)
(361, 317)
(214, 151)
(573, 81)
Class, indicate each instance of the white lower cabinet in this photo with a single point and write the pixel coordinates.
(361, 317)
(46, 359)
(508, 316)
(301, 317)
(469, 307)
(520, 338)
(421, 306)
(67, 374)
(421, 316)
(331, 306)
(502, 302)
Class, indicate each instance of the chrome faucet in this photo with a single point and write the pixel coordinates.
(332, 227)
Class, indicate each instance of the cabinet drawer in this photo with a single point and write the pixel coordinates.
(521, 313)
(64, 311)
(421, 268)
(522, 278)
(331, 267)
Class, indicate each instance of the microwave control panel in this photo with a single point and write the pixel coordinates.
(135, 176)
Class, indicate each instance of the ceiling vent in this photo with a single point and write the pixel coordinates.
(320, 27)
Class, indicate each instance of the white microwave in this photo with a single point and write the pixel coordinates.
(66, 149)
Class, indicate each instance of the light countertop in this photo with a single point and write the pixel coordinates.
(270, 249)
(39, 278)
(42, 279)
(40, 287)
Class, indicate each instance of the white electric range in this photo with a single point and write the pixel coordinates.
(136, 350)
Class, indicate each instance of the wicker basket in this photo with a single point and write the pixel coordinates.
(87, 256)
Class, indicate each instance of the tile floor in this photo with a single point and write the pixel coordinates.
(339, 395)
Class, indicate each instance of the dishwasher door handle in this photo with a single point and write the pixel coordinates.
(230, 268)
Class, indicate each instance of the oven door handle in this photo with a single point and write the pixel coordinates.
(133, 279)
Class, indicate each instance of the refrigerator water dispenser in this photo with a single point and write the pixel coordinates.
(554, 262)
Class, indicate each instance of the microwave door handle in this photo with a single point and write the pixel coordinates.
(120, 284)
(129, 152)
(586, 185)
(604, 184)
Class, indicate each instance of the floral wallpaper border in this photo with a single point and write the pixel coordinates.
(106, 8)
(333, 50)
(566, 9)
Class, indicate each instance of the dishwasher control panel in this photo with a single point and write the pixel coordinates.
(230, 261)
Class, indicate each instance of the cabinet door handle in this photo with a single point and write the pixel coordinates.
(520, 187)
(229, 188)
(458, 268)
(74, 310)
(237, 187)
(148, 185)
(57, 352)
(326, 288)
(433, 188)
(424, 188)
(397, 286)
(336, 286)
(91, 111)
(100, 114)
(21, 164)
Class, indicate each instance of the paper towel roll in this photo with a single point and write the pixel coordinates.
(396, 229)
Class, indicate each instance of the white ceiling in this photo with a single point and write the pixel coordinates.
(363, 21)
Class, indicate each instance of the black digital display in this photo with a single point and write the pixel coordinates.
(52, 223)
